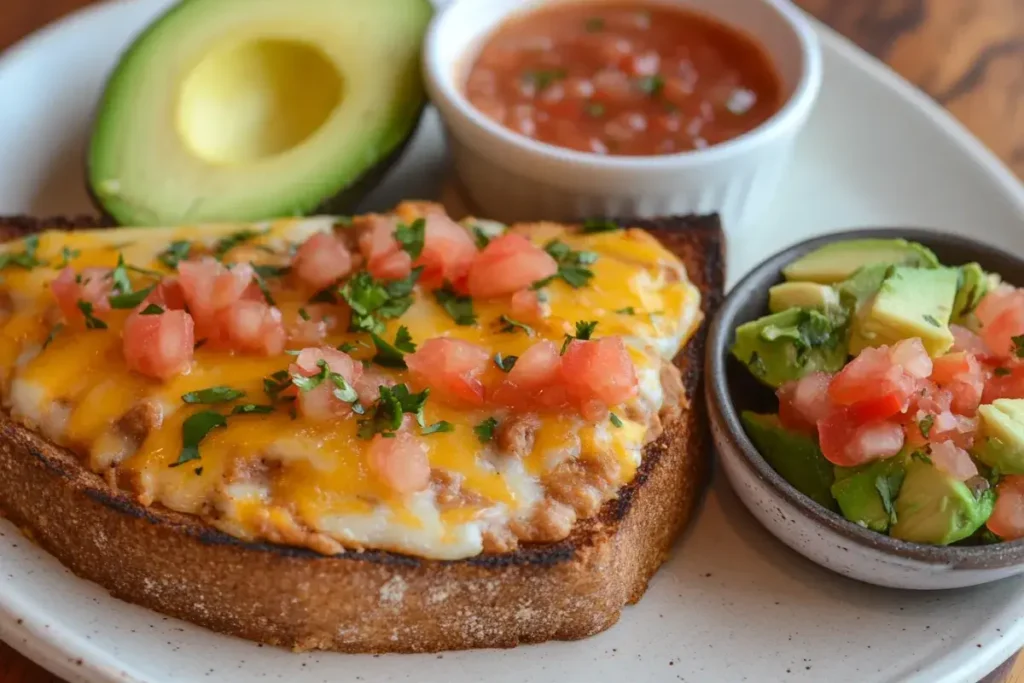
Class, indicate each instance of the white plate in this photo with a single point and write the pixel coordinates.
(733, 604)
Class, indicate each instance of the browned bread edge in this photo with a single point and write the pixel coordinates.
(375, 601)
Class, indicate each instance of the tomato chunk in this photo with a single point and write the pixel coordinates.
(451, 369)
(400, 462)
(160, 345)
(448, 251)
(599, 370)
(1007, 519)
(805, 401)
(1001, 316)
(392, 266)
(875, 375)
(843, 442)
(527, 307)
(962, 375)
(508, 264)
(209, 287)
(321, 261)
(254, 327)
(535, 370)
(320, 403)
(1005, 381)
(92, 286)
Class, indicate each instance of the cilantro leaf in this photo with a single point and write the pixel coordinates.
(252, 408)
(91, 321)
(67, 255)
(650, 85)
(264, 289)
(438, 427)
(925, 425)
(54, 331)
(412, 237)
(393, 355)
(1018, 345)
(888, 487)
(26, 258)
(511, 325)
(276, 383)
(176, 252)
(931, 320)
(459, 307)
(572, 264)
(131, 299)
(481, 238)
(372, 301)
(267, 271)
(506, 363)
(628, 310)
(152, 309)
(386, 417)
(595, 225)
(615, 420)
(1002, 372)
(542, 78)
(594, 110)
(212, 395)
(304, 314)
(593, 24)
(122, 285)
(226, 244)
(584, 330)
(485, 430)
(193, 430)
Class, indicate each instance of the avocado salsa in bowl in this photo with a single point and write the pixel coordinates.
(866, 394)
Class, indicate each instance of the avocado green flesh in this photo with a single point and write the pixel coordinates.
(837, 261)
(911, 302)
(787, 295)
(934, 508)
(251, 109)
(974, 283)
(796, 457)
(788, 345)
(859, 492)
(1001, 442)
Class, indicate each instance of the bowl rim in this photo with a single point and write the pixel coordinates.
(440, 81)
(723, 410)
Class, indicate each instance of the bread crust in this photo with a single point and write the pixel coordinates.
(376, 601)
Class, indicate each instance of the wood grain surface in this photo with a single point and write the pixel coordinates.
(967, 54)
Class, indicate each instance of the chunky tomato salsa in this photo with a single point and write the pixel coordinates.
(624, 79)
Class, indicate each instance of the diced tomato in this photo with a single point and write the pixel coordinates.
(880, 408)
(451, 369)
(321, 261)
(966, 340)
(92, 286)
(508, 264)
(320, 403)
(400, 462)
(392, 266)
(911, 355)
(1001, 316)
(598, 370)
(448, 251)
(536, 369)
(160, 345)
(527, 307)
(1006, 381)
(948, 427)
(1007, 519)
(168, 294)
(254, 327)
(805, 401)
(378, 237)
(962, 375)
(873, 375)
(368, 385)
(845, 443)
(209, 287)
(953, 460)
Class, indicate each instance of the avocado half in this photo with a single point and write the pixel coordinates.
(251, 109)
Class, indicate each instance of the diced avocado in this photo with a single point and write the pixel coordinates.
(857, 291)
(788, 345)
(972, 287)
(811, 295)
(935, 508)
(796, 457)
(912, 302)
(866, 494)
(239, 110)
(839, 260)
(1001, 442)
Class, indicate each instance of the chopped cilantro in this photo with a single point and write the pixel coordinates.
(91, 321)
(252, 408)
(628, 310)
(304, 314)
(122, 285)
(217, 394)
(276, 383)
(23, 259)
(542, 78)
(386, 417)
(1018, 345)
(67, 255)
(511, 325)
(325, 296)
(54, 331)
(198, 345)
(888, 488)
(593, 24)
(267, 271)
(584, 330)
(756, 364)
(595, 225)
(931, 320)
(177, 251)
(506, 363)
(130, 299)
(920, 455)
(198, 470)
(372, 301)
(411, 237)
(481, 238)
(393, 355)
(485, 430)
(226, 244)
(650, 85)
(143, 271)
(1002, 372)
(342, 221)
(438, 427)
(572, 265)
(594, 110)
(459, 307)
(264, 289)
(925, 425)
(615, 420)
(194, 430)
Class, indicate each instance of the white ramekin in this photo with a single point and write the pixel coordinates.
(510, 177)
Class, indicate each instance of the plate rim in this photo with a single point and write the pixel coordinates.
(63, 651)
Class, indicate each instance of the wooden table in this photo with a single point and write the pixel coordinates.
(967, 54)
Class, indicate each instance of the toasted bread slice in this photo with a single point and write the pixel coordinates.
(376, 601)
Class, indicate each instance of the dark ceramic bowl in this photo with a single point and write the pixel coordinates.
(818, 533)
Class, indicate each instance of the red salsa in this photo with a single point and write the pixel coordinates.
(627, 79)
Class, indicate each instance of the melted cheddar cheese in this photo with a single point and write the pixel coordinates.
(308, 482)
